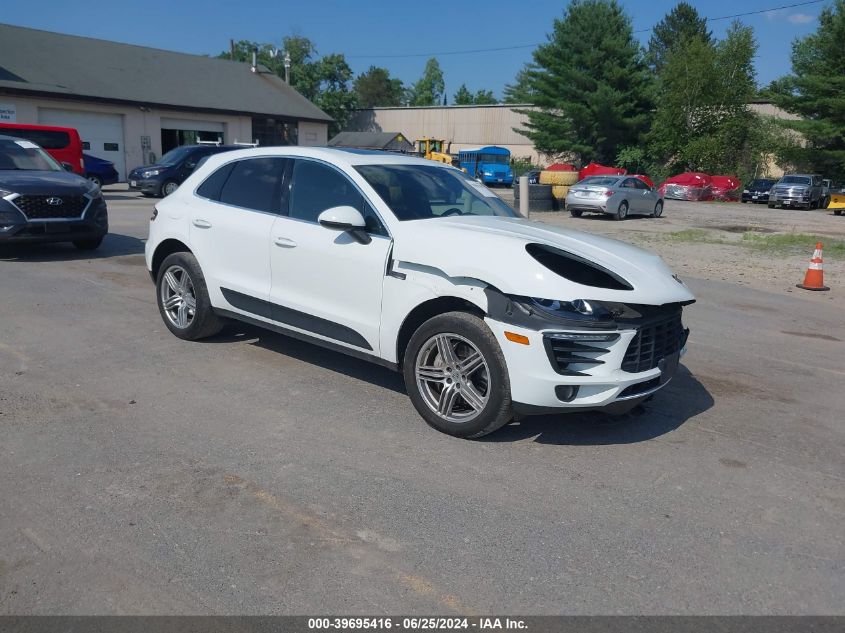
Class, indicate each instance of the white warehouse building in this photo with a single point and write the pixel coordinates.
(130, 104)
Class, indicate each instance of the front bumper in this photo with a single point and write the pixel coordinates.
(144, 185)
(537, 387)
(497, 179)
(93, 223)
(755, 197)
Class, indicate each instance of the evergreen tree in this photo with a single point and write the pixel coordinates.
(590, 84)
(816, 92)
(680, 24)
(520, 91)
(484, 97)
(463, 96)
(430, 89)
(375, 88)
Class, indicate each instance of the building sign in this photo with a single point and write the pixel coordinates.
(8, 113)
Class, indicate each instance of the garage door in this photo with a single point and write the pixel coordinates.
(102, 134)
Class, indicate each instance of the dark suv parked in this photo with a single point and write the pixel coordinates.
(42, 202)
(172, 169)
(758, 190)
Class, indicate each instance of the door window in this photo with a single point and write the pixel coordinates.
(317, 187)
(255, 183)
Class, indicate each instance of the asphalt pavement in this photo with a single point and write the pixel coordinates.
(256, 474)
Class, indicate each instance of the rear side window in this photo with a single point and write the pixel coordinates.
(48, 139)
(213, 185)
(255, 183)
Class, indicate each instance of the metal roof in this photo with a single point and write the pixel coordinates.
(369, 140)
(69, 66)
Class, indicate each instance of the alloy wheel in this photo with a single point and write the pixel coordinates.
(453, 377)
(178, 298)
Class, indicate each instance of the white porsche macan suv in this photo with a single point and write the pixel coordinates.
(411, 264)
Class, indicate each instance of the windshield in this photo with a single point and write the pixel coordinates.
(26, 156)
(762, 184)
(175, 156)
(603, 181)
(795, 180)
(417, 192)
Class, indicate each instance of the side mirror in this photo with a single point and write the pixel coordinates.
(345, 218)
(67, 166)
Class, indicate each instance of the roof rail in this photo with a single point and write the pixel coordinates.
(216, 143)
(245, 144)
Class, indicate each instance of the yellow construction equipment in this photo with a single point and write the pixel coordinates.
(435, 149)
(837, 203)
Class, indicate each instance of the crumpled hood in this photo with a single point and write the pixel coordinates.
(492, 250)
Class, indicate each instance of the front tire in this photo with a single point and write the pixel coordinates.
(88, 245)
(658, 209)
(182, 298)
(622, 211)
(574, 213)
(168, 187)
(456, 376)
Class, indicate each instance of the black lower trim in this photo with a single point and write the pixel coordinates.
(295, 318)
(307, 338)
(619, 407)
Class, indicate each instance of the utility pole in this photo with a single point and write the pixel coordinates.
(287, 67)
(232, 50)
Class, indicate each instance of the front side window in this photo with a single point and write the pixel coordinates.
(317, 187)
(417, 192)
(256, 184)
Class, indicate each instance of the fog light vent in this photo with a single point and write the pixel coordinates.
(566, 393)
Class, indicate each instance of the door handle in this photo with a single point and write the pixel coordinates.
(201, 224)
(285, 242)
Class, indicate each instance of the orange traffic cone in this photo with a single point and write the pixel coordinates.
(814, 279)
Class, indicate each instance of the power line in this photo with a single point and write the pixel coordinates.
(535, 45)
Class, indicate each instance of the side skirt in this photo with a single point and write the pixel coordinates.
(307, 338)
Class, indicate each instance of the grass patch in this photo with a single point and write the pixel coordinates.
(689, 235)
(793, 242)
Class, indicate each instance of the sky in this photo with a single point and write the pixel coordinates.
(399, 35)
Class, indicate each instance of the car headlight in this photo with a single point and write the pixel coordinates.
(577, 309)
(487, 173)
(5, 192)
(745, 191)
(150, 172)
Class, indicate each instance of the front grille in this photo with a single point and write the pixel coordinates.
(37, 207)
(653, 342)
(571, 357)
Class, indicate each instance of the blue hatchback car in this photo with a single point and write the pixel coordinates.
(99, 171)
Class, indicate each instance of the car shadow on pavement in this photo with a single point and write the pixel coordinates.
(313, 354)
(683, 398)
(114, 245)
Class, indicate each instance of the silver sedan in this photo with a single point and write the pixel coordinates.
(615, 195)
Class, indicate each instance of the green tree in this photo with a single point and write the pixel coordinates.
(680, 24)
(334, 95)
(702, 120)
(463, 96)
(521, 90)
(816, 92)
(430, 89)
(590, 84)
(375, 87)
(484, 97)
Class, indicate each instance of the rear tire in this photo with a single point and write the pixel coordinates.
(88, 245)
(168, 187)
(436, 382)
(182, 298)
(622, 211)
(837, 212)
(96, 180)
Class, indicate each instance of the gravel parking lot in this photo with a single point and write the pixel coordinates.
(255, 474)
